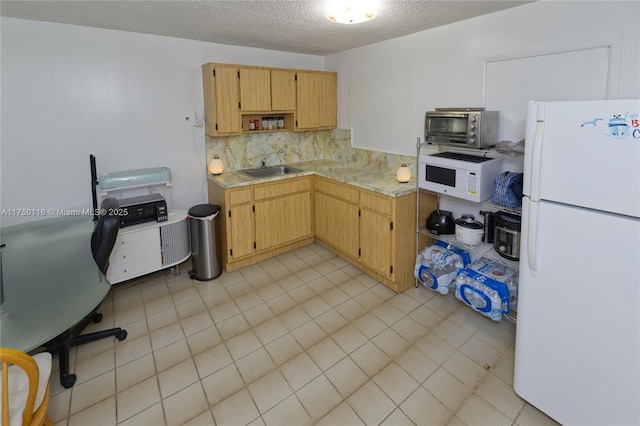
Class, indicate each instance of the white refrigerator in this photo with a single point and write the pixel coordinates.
(577, 355)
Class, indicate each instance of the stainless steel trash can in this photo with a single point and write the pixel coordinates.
(206, 254)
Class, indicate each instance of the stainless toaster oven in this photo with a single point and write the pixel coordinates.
(462, 127)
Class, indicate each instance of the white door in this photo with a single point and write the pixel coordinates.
(584, 154)
(578, 328)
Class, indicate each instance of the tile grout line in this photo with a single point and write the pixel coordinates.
(331, 336)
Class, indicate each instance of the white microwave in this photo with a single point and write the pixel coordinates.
(470, 177)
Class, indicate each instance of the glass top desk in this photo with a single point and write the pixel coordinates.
(49, 278)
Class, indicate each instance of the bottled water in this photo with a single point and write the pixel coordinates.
(489, 287)
(436, 268)
(479, 296)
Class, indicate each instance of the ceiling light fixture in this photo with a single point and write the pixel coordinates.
(351, 11)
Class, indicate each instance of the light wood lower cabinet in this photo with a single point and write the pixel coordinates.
(241, 231)
(282, 220)
(263, 220)
(376, 233)
(376, 242)
(337, 221)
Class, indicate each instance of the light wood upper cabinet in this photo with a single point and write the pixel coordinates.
(316, 100)
(328, 116)
(283, 90)
(236, 94)
(221, 100)
(265, 90)
(255, 89)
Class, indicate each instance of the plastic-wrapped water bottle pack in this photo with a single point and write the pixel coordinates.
(437, 266)
(488, 287)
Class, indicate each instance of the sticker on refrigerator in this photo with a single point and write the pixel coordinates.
(619, 126)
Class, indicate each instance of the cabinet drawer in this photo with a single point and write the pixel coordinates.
(376, 202)
(123, 255)
(240, 196)
(338, 190)
(282, 188)
(138, 238)
(125, 271)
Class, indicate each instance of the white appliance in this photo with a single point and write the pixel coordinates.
(578, 329)
(470, 177)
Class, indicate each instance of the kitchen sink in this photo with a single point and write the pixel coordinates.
(271, 171)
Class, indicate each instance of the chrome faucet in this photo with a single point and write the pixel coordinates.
(264, 163)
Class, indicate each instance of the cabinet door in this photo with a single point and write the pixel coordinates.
(240, 231)
(327, 100)
(376, 241)
(316, 100)
(306, 100)
(337, 223)
(283, 90)
(255, 89)
(227, 99)
(282, 220)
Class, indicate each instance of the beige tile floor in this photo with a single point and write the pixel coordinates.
(304, 338)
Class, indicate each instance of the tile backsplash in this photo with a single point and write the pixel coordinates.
(248, 150)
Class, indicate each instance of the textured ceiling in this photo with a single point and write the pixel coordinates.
(292, 26)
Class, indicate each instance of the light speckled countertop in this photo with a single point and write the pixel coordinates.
(381, 181)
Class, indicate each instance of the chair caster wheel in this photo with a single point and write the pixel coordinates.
(67, 380)
(97, 318)
(122, 335)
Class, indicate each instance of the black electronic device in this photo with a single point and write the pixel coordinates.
(145, 208)
(507, 235)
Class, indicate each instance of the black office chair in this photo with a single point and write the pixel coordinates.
(102, 241)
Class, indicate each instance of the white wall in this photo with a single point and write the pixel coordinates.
(70, 91)
(384, 89)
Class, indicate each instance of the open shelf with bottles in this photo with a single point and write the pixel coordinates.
(267, 122)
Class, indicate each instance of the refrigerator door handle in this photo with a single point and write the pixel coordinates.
(532, 235)
(535, 161)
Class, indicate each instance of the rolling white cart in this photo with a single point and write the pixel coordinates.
(151, 246)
